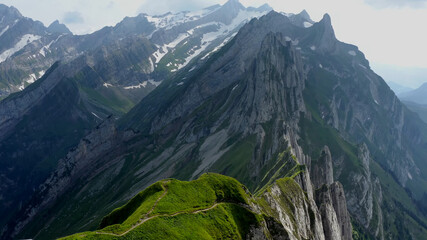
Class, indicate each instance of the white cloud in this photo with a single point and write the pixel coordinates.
(72, 18)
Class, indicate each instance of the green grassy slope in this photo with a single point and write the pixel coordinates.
(211, 207)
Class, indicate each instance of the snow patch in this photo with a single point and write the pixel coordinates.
(21, 86)
(376, 102)
(224, 31)
(107, 85)
(143, 84)
(362, 66)
(46, 48)
(234, 88)
(410, 176)
(170, 20)
(192, 69)
(352, 53)
(307, 24)
(96, 115)
(42, 52)
(25, 40)
(163, 50)
(151, 64)
(4, 30)
(243, 17)
(287, 14)
(320, 65)
(32, 78)
(313, 48)
(180, 84)
(219, 46)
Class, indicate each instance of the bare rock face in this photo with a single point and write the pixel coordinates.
(333, 209)
(366, 195)
(331, 227)
(340, 206)
(303, 220)
(322, 170)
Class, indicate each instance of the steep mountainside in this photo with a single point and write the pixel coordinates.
(283, 96)
(218, 207)
(42, 123)
(99, 74)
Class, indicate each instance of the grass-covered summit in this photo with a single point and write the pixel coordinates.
(211, 207)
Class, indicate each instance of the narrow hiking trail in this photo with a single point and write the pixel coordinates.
(160, 215)
(147, 218)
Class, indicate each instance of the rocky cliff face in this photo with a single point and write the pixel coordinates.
(261, 105)
(274, 98)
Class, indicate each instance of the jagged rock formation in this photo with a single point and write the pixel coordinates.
(277, 96)
(322, 172)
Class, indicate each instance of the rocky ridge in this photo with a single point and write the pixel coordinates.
(227, 103)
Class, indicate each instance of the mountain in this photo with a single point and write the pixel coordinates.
(29, 48)
(57, 27)
(79, 81)
(216, 206)
(275, 98)
(398, 89)
(43, 122)
(24, 43)
(416, 96)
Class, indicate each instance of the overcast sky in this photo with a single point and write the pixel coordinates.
(389, 32)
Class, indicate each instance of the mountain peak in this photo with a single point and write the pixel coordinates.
(265, 7)
(57, 27)
(5, 10)
(304, 14)
(233, 4)
(326, 19)
(326, 24)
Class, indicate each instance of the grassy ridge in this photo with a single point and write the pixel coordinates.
(211, 207)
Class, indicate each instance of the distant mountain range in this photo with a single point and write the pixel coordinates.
(399, 89)
(416, 100)
(318, 145)
(418, 95)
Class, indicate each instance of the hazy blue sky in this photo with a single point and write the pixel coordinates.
(387, 31)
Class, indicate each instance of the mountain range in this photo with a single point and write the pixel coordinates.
(320, 147)
(414, 99)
